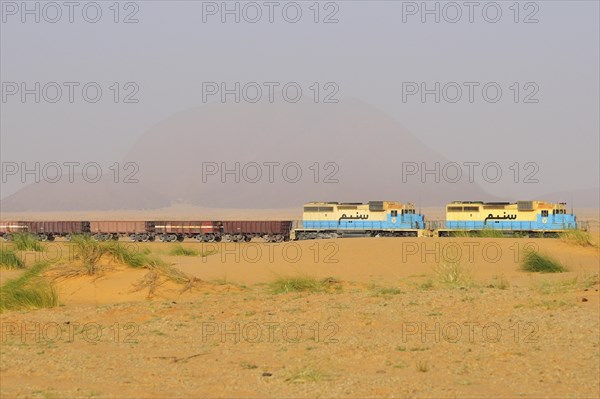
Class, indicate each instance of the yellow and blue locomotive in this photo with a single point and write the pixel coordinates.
(521, 216)
(372, 219)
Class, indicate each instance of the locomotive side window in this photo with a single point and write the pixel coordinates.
(394, 214)
(545, 214)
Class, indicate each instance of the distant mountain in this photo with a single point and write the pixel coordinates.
(584, 198)
(82, 196)
(366, 146)
(354, 151)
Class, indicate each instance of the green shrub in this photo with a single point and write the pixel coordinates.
(489, 233)
(26, 242)
(88, 250)
(125, 255)
(535, 262)
(29, 291)
(180, 250)
(10, 260)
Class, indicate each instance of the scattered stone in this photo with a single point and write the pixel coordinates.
(265, 374)
(584, 299)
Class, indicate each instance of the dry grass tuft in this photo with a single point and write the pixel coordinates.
(306, 374)
(452, 274)
(578, 237)
(303, 283)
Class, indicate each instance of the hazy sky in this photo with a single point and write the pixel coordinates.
(375, 52)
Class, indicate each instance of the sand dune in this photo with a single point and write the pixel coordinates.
(386, 328)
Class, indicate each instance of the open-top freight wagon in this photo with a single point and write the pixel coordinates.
(8, 228)
(48, 231)
(169, 231)
(245, 230)
(112, 230)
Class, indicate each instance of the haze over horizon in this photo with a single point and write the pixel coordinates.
(380, 89)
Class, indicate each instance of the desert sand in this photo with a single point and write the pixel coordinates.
(389, 325)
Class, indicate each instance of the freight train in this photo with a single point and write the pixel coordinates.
(324, 220)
